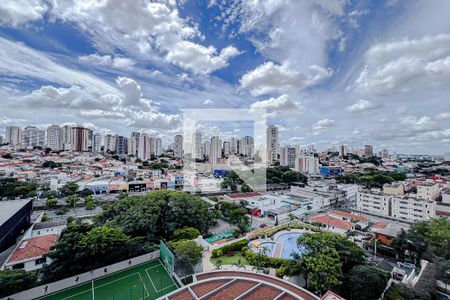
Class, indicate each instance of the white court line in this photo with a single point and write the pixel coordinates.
(151, 281)
(169, 275)
(93, 290)
(143, 283)
(109, 282)
(86, 291)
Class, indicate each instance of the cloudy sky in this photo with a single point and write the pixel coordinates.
(329, 72)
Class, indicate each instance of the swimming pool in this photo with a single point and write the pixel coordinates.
(284, 246)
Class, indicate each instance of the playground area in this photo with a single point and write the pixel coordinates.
(146, 281)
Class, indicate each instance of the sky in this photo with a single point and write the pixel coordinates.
(328, 72)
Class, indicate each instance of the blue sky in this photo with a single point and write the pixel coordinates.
(329, 72)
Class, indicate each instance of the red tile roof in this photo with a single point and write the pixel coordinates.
(243, 195)
(34, 247)
(331, 296)
(442, 213)
(334, 222)
(348, 215)
(381, 224)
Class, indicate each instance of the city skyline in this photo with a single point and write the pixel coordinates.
(329, 73)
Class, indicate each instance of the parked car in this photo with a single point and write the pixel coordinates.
(406, 265)
(263, 226)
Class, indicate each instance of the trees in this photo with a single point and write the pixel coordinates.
(72, 200)
(51, 202)
(69, 188)
(188, 252)
(51, 164)
(365, 282)
(322, 269)
(11, 187)
(245, 188)
(157, 214)
(186, 233)
(13, 281)
(349, 253)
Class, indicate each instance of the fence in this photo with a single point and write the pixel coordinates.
(70, 282)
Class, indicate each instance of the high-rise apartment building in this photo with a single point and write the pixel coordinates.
(178, 146)
(55, 138)
(287, 156)
(13, 135)
(79, 139)
(97, 143)
(308, 164)
(226, 148)
(343, 150)
(144, 151)
(1, 139)
(133, 144)
(206, 148)
(197, 145)
(368, 150)
(110, 143)
(247, 146)
(66, 136)
(33, 137)
(121, 145)
(234, 146)
(158, 147)
(272, 144)
(216, 150)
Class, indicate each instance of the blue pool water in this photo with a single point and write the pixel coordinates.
(288, 241)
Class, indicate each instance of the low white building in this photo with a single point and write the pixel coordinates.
(428, 191)
(374, 202)
(413, 209)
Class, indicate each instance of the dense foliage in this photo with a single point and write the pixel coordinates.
(84, 247)
(188, 254)
(11, 187)
(364, 282)
(236, 246)
(157, 214)
(372, 179)
(13, 281)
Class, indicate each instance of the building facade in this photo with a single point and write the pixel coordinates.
(13, 135)
(55, 137)
(272, 144)
(33, 137)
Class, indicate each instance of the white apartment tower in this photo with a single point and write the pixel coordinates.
(197, 145)
(55, 139)
(272, 144)
(287, 156)
(66, 131)
(247, 146)
(33, 137)
(216, 150)
(144, 151)
(158, 146)
(110, 143)
(308, 164)
(97, 143)
(178, 146)
(13, 135)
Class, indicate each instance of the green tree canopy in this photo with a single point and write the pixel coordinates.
(188, 252)
(186, 233)
(365, 282)
(69, 188)
(14, 281)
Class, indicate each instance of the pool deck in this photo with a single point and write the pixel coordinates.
(277, 251)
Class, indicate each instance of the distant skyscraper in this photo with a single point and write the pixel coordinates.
(79, 139)
(110, 143)
(121, 145)
(13, 135)
(178, 146)
(158, 146)
(368, 150)
(55, 137)
(216, 150)
(97, 143)
(234, 146)
(144, 147)
(343, 150)
(197, 145)
(1, 139)
(66, 131)
(226, 148)
(246, 146)
(287, 156)
(133, 144)
(272, 144)
(33, 137)
(308, 164)
(206, 148)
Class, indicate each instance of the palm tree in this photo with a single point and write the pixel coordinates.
(239, 264)
(218, 263)
(259, 259)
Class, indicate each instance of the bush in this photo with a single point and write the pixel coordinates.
(237, 246)
(295, 224)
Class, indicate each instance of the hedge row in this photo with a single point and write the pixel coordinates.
(295, 224)
(236, 246)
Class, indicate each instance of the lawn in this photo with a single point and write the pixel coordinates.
(229, 260)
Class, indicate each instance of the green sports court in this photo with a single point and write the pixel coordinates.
(146, 281)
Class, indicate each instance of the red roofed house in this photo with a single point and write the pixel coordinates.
(346, 216)
(333, 224)
(29, 254)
